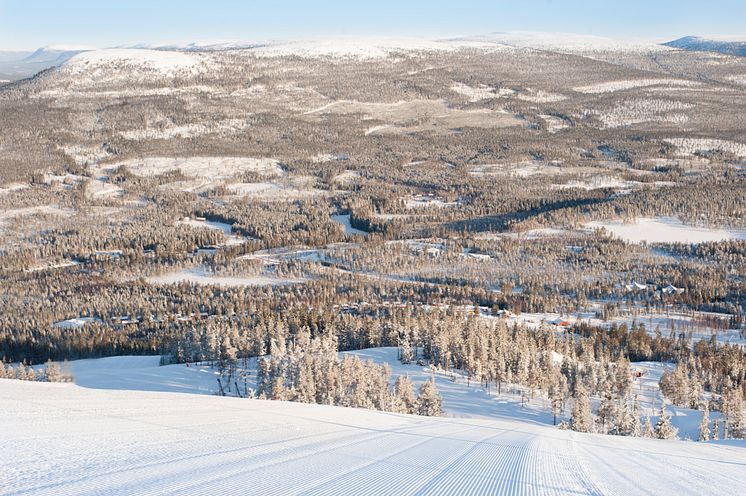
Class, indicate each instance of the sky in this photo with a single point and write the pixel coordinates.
(29, 24)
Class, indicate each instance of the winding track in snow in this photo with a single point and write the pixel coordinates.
(65, 439)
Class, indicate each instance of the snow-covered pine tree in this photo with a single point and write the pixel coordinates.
(264, 378)
(52, 372)
(67, 373)
(628, 420)
(632, 425)
(405, 399)
(582, 419)
(279, 391)
(556, 396)
(406, 355)
(647, 429)
(704, 425)
(623, 377)
(305, 391)
(733, 412)
(606, 416)
(429, 402)
(664, 429)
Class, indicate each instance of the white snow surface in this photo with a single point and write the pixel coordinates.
(568, 42)
(344, 220)
(201, 276)
(165, 62)
(628, 84)
(214, 168)
(371, 46)
(65, 439)
(666, 230)
(363, 47)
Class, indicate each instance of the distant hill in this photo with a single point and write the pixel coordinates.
(55, 54)
(695, 43)
(21, 65)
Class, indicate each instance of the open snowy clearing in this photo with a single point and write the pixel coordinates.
(266, 191)
(481, 92)
(227, 229)
(690, 146)
(527, 169)
(203, 277)
(344, 220)
(69, 440)
(554, 124)
(640, 110)
(417, 116)
(666, 230)
(614, 86)
(202, 167)
(167, 130)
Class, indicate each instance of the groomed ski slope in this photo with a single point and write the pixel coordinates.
(63, 439)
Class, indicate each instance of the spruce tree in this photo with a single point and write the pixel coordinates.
(429, 402)
(582, 419)
(406, 355)
(557, 397)
(52, 372)
(405, 399)
(664, 429)
(704, 425)
(647, 430)
(264, 378)
(733, 413)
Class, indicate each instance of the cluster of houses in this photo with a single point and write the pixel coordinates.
(670, 289)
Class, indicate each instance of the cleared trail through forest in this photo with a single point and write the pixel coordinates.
(64, 439)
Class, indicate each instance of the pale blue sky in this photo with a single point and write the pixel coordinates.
(26, 24)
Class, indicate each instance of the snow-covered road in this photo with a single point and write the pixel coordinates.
(64, 439)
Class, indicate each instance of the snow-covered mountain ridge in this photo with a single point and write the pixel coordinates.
(725, 45)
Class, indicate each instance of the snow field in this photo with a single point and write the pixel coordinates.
(641, 110)
(214, 168)
(165, 62)
(690, 146)
(75, 441)
(344, 221)
(199, 275)
(364, 48)
(479, 93)
(628, 84)
(665, 230)
(168, 131)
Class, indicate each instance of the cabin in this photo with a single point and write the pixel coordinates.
(636, 286)
(671, 289)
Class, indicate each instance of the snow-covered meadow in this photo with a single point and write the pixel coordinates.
(666, 230)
